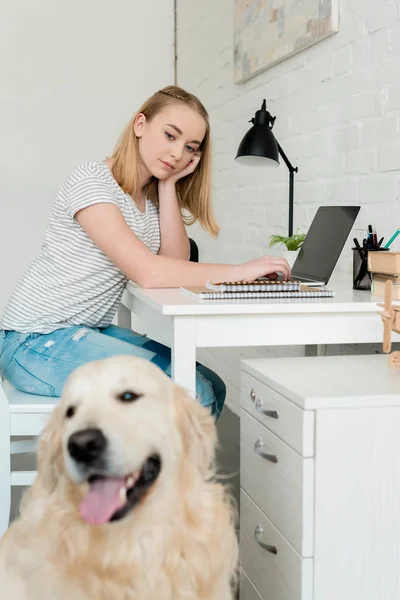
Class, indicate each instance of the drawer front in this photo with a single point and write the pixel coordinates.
(281, 576)
(279, 481)
(292, 424)
(247, 589)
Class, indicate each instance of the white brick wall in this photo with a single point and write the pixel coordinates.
(338, 118)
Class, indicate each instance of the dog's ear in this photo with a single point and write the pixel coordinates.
(198, 430)
(49, 456)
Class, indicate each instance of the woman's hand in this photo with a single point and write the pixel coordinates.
(266, 266)
(188, 170)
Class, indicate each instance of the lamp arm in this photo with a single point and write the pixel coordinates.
(287, 162)
(292, 171)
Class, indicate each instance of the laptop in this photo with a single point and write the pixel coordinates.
(323, 244)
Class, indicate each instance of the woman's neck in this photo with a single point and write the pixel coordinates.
(145, 176)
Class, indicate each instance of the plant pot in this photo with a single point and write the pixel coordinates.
(290, 256)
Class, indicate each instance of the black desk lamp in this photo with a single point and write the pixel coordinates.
(259, 146)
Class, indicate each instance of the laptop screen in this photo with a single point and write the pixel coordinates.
(324, 242)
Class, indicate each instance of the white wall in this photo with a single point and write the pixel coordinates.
(337, 106)
(72, 74)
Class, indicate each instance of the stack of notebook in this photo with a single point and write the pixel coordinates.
(261, 288)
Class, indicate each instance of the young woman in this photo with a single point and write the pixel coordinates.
(117, 220)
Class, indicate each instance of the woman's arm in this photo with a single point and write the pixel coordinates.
(174, 239)
(106, 226)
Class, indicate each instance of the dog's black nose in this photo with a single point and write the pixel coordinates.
(87, 445)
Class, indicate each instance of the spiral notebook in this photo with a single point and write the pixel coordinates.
(259, 285)
(203, 293)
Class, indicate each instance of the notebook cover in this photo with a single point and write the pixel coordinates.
(203, 293)
(259, 285)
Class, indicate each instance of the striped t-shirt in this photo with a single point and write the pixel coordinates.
(72, 282)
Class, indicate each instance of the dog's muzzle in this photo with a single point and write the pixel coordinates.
(110, 496)
(87, 447)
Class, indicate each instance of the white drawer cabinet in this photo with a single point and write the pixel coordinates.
(273, 410)
(320, 481)
(263, 565)
(247, 589)
(280, 482)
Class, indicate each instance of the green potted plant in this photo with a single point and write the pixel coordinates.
(290, 245)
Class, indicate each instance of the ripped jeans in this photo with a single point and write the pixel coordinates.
(40, 363)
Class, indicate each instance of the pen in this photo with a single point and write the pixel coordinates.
(372, 238)
(363, 271)
(394, 236)
(380, 242)
(360, 252)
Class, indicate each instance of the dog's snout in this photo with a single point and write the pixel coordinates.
(87, 445)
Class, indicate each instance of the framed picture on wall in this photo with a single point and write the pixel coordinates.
(268, 31)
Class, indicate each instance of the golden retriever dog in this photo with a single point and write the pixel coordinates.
(125, 504)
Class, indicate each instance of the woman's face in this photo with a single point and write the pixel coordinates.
(169, 141)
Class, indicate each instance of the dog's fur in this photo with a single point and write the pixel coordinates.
(177, 543)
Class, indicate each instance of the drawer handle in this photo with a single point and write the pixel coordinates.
(257, 534)
(274, 414)
(258, 445)
(253, 395)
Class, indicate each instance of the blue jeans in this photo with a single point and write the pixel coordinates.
(40, 363)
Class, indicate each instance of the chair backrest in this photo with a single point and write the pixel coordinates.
(194, 251)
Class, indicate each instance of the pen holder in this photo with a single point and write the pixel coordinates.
(362, 278)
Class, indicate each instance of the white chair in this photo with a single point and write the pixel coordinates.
(21, 415)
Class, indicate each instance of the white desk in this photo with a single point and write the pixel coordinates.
(350, 317)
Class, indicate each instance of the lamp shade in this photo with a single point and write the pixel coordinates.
(259, 145)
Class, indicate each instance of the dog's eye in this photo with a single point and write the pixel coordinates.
(70, 411)
(128, 396)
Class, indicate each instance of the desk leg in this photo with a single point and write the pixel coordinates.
(316, 350)
(124, 317)
(184, 353)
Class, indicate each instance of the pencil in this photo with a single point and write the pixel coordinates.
(394, 236)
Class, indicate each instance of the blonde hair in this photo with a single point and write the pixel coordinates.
(194, 190)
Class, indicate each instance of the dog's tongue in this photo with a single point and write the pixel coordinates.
(102, 500)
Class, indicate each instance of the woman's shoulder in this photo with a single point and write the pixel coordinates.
(90, 177)
(86, 184)
(94, 169)
(87, 180)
